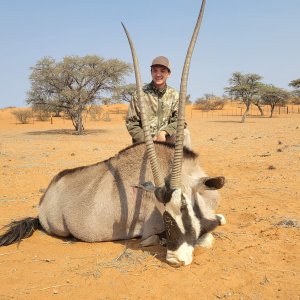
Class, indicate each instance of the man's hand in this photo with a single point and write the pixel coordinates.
(161, 137)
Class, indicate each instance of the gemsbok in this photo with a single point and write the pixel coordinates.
(145, 190)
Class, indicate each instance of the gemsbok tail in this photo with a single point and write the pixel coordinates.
(18, 230)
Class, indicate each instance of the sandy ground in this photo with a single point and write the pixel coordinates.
(255, 256)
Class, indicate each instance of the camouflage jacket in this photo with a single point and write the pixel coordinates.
(161, 109)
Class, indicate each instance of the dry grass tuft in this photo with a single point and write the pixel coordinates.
(125, 260)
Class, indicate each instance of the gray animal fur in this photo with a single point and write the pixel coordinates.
(99, 203)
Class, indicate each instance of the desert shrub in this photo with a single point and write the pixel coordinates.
(22, 115)
(295, 101)
(106, 117)
(66, 116)
(41, 115)
(209, 104)
(96, 113)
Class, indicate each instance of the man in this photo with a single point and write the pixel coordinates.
(161, 104)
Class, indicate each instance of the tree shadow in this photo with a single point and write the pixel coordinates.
(225, 121)
(66, 132)
(252, 117)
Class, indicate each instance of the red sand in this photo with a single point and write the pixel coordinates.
(253, 258)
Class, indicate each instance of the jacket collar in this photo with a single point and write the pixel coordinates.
(157, 91)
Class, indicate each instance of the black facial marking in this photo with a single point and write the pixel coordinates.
(219, 219)
(175, 238)
(197, 209)
(163, 194)
(173, 234)
(190, 233)
(208, 225)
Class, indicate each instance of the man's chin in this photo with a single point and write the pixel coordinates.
(159, 83)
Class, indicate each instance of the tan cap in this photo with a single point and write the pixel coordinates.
(161, 61)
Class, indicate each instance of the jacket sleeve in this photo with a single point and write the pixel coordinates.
(133, 121)
(172, 123)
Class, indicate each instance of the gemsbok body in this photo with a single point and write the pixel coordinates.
(104, 201)
(145, 190)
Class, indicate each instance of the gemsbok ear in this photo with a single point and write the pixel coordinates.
(146, 186)
(213, 183)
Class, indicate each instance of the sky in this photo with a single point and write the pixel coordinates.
(257, 36)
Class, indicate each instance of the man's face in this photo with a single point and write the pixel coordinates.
(159, 76)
